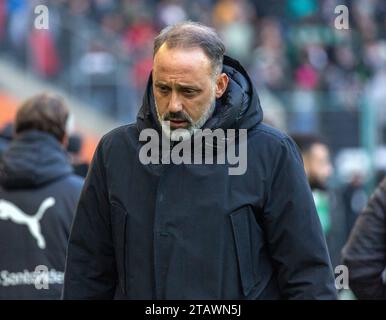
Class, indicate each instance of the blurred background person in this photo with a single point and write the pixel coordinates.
(5, 137)
(365, 252)
(74, 147)
(328, 200)
(318, 168)
(38, 195)
(354, 199)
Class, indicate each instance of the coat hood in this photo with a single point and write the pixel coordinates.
(7, 132)
(238, 108)
(32, 159)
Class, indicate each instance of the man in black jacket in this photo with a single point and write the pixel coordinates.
(365, 252)
(38, 196)
(161, 228)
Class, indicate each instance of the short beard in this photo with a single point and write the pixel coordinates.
(187, 133)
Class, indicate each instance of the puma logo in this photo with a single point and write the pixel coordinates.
(9, 211)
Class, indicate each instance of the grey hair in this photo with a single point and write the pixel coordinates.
(193, 35)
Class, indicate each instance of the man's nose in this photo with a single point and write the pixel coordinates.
(175, 103)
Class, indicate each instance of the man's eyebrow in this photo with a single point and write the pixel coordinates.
(159, 83)
(190, 87)
(178, 86)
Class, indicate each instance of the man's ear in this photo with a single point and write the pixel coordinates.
(221, 84)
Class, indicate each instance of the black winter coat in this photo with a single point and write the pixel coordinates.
(193, 231)
(38, 197)
(365, 252)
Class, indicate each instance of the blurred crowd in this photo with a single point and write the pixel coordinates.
(291, 48)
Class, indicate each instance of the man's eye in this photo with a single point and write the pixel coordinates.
(189, 92)
(163, 89)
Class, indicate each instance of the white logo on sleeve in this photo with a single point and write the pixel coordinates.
(9, 211)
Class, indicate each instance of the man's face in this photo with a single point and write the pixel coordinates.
(185, 87)
(317, 165)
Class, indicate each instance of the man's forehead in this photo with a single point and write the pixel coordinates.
(180, 59)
